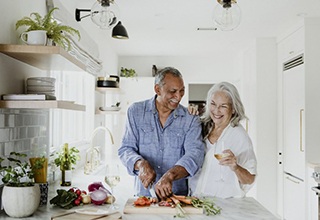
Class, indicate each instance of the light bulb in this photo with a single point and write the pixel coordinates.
(227, 17)
(105, 14)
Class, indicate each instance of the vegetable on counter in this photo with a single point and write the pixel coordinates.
(206, 204)
(68, 198)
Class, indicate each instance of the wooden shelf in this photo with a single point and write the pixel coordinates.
(108, 90)
(43, 57)
(42, 105)
(99, 112)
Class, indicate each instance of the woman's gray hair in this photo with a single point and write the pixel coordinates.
(159, 78)
(236, 104)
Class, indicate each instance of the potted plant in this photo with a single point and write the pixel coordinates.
(17, 175)
(55, 31)
(125, 72)
(39, 166)
(67, 157)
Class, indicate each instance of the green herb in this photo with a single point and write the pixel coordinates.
(64, 199)
(207, 205)
(67, 157)
(16, 171)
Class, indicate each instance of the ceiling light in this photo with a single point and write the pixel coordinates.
(105, 14)
(227, 15)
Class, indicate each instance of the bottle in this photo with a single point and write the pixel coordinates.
(66, 168)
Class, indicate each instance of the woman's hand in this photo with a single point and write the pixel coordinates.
(229, 160)
(193, 109)
(244, 176)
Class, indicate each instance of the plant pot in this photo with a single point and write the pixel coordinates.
(40, 175)
(20, 202)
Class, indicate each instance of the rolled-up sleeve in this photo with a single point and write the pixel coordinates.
(128, 151)
(194, 147)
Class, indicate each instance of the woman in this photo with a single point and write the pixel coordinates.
(234, 174)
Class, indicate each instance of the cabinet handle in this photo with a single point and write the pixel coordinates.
(247, 125)
(301, 129)
(294, 181)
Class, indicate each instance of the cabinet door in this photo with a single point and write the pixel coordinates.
(293, 100)
(292, 45)
(294, 198)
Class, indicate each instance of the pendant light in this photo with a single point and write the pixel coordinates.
(119, 32)
(227, 15)
(105, 14)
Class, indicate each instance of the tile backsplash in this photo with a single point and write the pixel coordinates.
(24, 131)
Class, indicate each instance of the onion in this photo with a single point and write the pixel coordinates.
(98, 197)
(94, 186)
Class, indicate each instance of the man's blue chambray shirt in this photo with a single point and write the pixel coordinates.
(179, 142)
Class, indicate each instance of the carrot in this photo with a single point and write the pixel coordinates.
(176, 201)
(184, 199)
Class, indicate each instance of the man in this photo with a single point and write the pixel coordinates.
(162, 143)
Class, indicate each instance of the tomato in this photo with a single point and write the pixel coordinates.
(84, 192)
(142, 201)
(78, 192)
(77, 202)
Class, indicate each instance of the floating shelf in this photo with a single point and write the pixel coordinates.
(43, 57)
(42, 105)
(99, 112)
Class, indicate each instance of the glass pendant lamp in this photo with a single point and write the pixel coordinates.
(105, 13)
(227, 15)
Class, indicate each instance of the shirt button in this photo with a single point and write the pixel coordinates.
(158, 167)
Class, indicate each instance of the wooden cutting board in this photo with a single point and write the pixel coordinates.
(76, 216)
(129, 208)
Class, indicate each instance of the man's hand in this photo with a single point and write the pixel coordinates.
(163, 187)
(147, 175)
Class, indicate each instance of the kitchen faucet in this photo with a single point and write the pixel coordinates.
(93, 153)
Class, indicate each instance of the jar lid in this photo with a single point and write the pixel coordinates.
(102, 78)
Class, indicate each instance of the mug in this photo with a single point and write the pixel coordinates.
(38, 37)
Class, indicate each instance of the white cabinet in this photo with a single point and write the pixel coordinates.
(292, 45)
(300, 104)
(293, 108)
(294, 198)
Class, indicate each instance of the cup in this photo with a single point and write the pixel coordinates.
(38, 37)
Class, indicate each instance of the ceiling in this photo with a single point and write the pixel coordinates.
(169, 27)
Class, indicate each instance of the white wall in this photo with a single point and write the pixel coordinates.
(259, 85)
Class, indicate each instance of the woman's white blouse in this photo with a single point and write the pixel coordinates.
(220, 181)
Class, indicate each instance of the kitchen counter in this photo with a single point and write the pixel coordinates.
(235, 208)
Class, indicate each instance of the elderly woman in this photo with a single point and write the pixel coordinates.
(233, 173)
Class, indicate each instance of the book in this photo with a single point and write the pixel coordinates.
(27, 97)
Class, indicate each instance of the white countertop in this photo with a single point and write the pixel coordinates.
(235, 208)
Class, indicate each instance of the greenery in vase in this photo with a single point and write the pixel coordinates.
(67, 157)
(55, 31)
(124, 72)
(17, 173)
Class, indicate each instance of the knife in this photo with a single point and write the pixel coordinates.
(151, 191)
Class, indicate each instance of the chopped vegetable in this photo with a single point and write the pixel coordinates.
(181, 213)
(98, 197)
(142, 201)
(207, 205)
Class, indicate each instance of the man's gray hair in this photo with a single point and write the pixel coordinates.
(159, 78)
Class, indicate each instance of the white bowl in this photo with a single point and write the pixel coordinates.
(41, 81)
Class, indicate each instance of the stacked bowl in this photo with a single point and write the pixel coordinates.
(41, 85)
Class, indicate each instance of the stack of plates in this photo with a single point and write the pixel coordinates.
(41, 85)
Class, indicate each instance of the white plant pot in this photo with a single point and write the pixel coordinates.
(20, 202)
